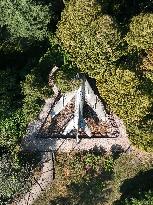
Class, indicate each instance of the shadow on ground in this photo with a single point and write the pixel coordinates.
(87, 191)
(136, 187)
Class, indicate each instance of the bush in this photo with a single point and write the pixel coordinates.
(32, 102)
(120, 90)
(12, 129)
(11, 119)
(132, 182)
(93, 178)
(92, 39)
(66, 78)
(12, 180)
(141, 31)
(21, 102)
(16, 178)
(35, 87)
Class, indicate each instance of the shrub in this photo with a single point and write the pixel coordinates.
(120, 90)
(132, 179)
(16, 179)
(11, 130)
(35, 92)
(11, 119)
(35, 87)
(142, 135)
(9, 91)
(66, 78)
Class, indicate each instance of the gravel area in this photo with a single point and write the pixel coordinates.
(58, 123)
(98, 127)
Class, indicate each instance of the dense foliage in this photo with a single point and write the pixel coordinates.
(11, 181)
(111, 41)
(121, 90)
(147, 199)
(141, 31)
(24, 19)
(24, 68)
(15, 177)
(92, 39)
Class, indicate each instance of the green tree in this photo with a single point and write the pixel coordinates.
(9, 92)
(140, 34)
(131, 99)
(144, 198)
(24, 19)
(92, 39)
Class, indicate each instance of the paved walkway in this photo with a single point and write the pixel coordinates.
(40, 185)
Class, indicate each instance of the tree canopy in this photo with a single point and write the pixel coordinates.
(140, 34)
(91, 38)
(110, 41)
(24, 19)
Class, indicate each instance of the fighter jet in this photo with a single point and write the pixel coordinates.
(82, 95)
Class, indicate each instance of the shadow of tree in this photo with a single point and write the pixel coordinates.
(116, 151)
(146, 122)
(123, 11)
(56, 7)
(136, 186)
(87, 191)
